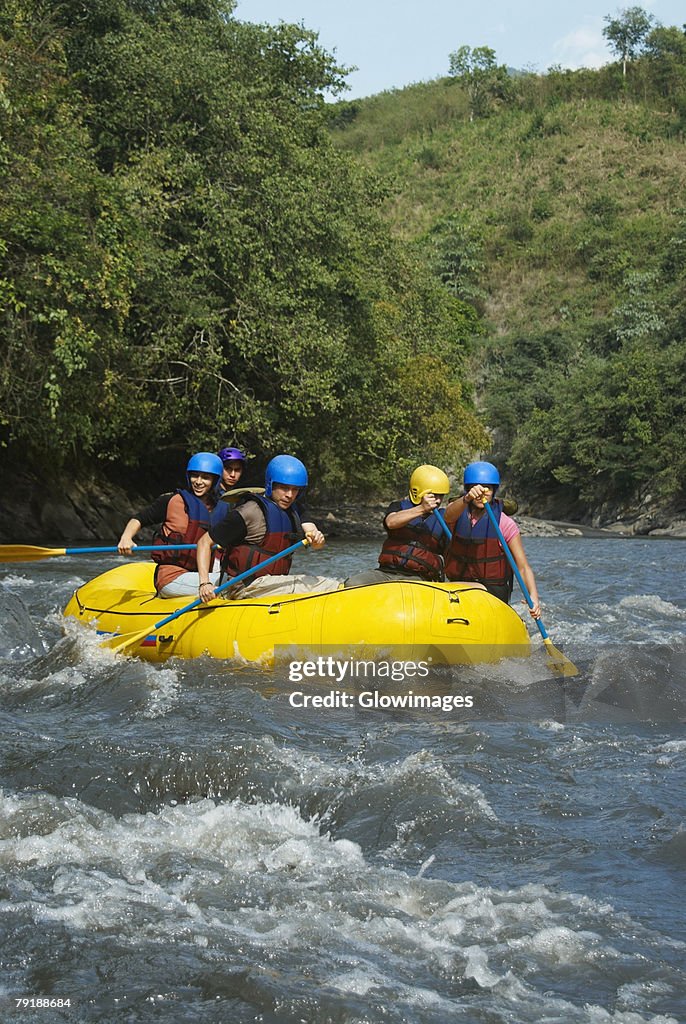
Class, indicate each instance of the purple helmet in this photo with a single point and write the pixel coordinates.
(231, 455)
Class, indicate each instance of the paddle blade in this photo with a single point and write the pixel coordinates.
(121, 642)
(236, 493)
(557, 662)
(27, 553)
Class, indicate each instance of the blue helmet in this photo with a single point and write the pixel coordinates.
(284, 469)
(204, 462)
(483, 473)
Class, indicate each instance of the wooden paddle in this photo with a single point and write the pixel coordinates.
(27, 553)
(557, 661)
(123, 642)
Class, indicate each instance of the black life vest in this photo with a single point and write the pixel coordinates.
(416, 547)
(283, 529)
(475, 553)
(198, 524)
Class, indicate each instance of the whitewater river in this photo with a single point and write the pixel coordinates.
(179, 843)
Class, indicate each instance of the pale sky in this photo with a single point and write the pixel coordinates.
(396, 42)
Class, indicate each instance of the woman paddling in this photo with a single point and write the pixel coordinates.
(475, 552)
(185, 517)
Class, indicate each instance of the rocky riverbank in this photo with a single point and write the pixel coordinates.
(365, 521)
(35, 514)
(96, 512)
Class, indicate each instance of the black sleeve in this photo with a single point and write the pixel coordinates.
(301, 511)
(229, 531)
(395, 506)
(155, 513)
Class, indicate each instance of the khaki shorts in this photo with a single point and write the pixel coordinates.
(268, 586)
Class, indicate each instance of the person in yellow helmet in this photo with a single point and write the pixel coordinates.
(415, 539)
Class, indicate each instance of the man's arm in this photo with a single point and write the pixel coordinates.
(227, 534)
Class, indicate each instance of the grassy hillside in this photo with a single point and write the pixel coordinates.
(548, 190)
(561, 216)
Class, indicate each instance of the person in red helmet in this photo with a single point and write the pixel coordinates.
(185, 518)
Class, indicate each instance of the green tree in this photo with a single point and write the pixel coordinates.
(66, 270)
(638, 316)
(481, 76)
(455, 253)
(666, 52)
(626, 34)
(579, 371)
(185, 256)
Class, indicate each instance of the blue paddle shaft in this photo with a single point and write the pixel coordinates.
(446, 528)
(136, 547)
(230, 583)
(494, 522)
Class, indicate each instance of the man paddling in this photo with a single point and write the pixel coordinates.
(414, 544)
(258, 528)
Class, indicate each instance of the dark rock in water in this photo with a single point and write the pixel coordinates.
(677, 529)
(93, 510)
(58, 519)
(647, 516)
(367, 521)
(349, 520)
(18, 635)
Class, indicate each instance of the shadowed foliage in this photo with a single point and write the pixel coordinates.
(186, 259)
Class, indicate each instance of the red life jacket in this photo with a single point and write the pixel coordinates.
(416, 547)
(198, 523)
(475, 553)
(283, 529)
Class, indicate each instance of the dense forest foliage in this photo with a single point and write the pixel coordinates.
(187, 261)
(556, 205)
(198, 248)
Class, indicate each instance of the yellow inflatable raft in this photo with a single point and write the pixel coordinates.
(452, 623)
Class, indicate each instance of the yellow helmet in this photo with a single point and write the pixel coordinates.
(427, 480)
